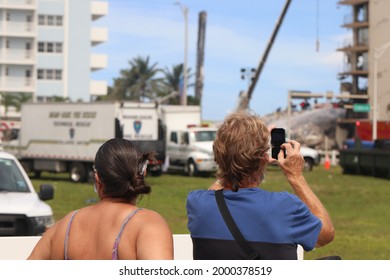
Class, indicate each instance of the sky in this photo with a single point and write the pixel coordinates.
(237, 33)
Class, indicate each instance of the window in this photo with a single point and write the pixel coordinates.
(27, 74)
(50, 47)
(49, 74)
(41, 20)
(41, 47)
(58, 47)
(59, 20)
(201, 136)
(174, 137)
(50, 20)
(58, 75)
(40, 74)
(28, 49)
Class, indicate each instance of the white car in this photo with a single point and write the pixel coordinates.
(23, 211)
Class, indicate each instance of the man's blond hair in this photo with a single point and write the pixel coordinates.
(239, 148)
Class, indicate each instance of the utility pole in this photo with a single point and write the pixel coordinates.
(183, 99)
(200, 56)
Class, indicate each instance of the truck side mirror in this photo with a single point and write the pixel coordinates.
(46, 192)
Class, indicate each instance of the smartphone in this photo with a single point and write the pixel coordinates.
(278, 137)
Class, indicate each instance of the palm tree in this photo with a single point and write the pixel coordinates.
(172, 82)
(9, 100)
(22, 98)
(138, 82)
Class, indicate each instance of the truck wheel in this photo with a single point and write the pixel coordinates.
(191, 168)
(308, 164)
(78, 172)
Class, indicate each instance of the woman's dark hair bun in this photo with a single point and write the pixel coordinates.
(120, 164)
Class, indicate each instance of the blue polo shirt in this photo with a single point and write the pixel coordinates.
(274, 222)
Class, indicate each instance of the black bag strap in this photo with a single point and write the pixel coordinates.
(227, 217)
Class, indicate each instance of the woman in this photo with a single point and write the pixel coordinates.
(273, 222)
(113, 228)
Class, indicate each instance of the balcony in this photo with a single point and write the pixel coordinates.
(349, 46)
(98, 61)
(361, 20)
(98, 35)
(98, 88)
(347, 70)
(16, 84)
(17, 57)
(18, 4)
(99, 9)
(17, 29)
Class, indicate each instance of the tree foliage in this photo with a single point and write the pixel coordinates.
(137, 83)
(144, 81)
(14, 100)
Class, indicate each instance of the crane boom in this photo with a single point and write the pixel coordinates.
(246, 96)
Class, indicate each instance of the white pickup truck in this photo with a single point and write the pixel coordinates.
(23, 212)
(311, 156)
(191, 150)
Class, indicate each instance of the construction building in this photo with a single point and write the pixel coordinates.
(45, 48)
(366, 69)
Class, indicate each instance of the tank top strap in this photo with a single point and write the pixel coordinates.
(67, 235)
(118, 238)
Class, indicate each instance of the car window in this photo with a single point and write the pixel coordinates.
(11, 179)
(203, 136)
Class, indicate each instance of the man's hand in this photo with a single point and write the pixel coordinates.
(293, 164)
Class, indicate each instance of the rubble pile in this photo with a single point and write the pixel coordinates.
(310, 127)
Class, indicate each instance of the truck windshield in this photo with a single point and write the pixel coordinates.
(11, 179)
(202, 136)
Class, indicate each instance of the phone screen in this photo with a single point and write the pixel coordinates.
(278, 137)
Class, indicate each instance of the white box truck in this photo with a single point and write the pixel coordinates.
(64, 137)
(188, 144)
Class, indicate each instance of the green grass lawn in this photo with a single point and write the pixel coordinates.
(359, 206)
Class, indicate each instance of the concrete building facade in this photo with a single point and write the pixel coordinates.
(46, 48)
(366, 70)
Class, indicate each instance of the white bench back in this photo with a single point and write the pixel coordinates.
(19, 248)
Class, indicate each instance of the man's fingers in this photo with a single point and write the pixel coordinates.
(296, 145)
(287, 147)
(281, 154)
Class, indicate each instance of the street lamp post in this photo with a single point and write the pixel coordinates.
(183, 99)
(379, 51)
